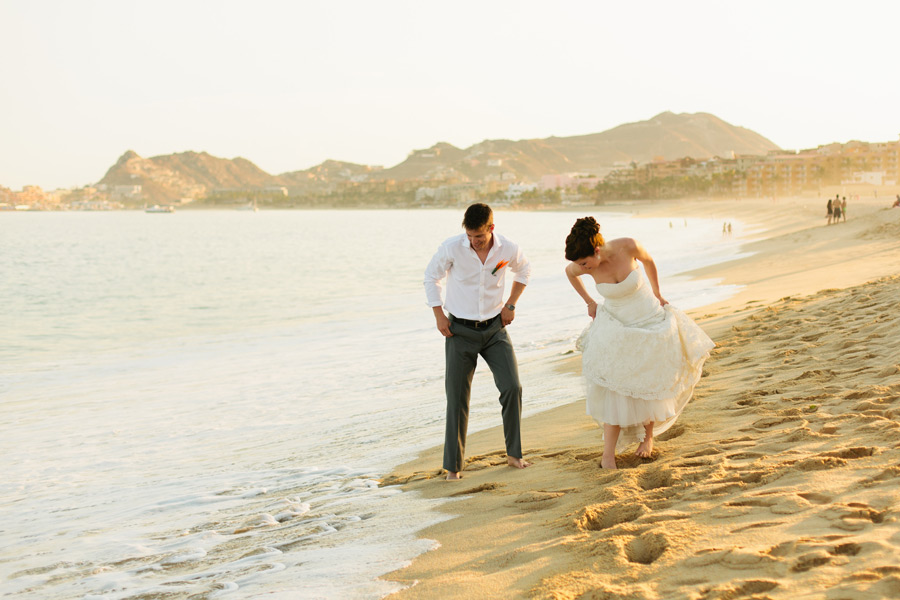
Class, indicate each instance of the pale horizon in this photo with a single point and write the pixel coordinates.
(288, 86)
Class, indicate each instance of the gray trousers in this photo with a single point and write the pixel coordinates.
(462, 350)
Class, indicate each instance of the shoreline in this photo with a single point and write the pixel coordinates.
(544, 532)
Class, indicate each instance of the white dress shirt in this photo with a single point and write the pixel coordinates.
(472, 291)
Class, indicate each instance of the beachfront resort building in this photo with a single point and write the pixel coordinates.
(859, 165)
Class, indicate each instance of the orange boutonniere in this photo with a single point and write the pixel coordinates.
(499, 266)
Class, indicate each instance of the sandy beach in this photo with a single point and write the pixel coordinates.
(781, 479)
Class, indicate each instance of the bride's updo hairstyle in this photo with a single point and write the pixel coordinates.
(583, 239)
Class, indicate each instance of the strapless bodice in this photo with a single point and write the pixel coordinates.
(630, 301)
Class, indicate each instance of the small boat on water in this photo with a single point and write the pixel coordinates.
(156, 208)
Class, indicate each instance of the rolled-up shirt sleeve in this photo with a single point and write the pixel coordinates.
(435, 273)
(521, 267)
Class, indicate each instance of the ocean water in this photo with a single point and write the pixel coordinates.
(200, 404)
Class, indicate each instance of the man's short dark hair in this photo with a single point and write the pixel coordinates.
(477, 216)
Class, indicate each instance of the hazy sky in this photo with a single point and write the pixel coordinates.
(288, 84)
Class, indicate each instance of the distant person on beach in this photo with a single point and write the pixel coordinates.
(474, 265)
(830, 210)
(896, 203)
(837, 211)
(844, 209)
(641, 356)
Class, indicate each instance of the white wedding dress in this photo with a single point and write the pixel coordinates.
(640, 360)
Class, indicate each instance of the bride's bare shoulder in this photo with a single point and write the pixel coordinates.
(621, 243)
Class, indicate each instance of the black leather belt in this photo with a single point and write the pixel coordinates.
(475, 324)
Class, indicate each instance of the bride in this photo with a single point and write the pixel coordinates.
(641, 356)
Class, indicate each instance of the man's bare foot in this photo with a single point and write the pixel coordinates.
(644, 449)
(609, 464)
(453, 475)
(519, 463)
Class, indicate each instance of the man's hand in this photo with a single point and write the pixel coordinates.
(443, 323)
(507, 316)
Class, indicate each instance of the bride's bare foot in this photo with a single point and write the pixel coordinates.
(453, 475)
(644, 449)
(610, 437)
(518, 463)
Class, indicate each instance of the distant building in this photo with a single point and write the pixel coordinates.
(447, 194)
(94, 205)
(424, 193)
(571, 181)
(126, 192)
(865, 178)
(515, 190)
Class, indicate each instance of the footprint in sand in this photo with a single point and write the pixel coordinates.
(484, 487)
(748, 402)
(603, 516)
(752, 477)
(746, 455)
(854, 516)
(810, 561)
(646, 548)
(851, 453)
(848, 549)
(815, 497)
(654, 479)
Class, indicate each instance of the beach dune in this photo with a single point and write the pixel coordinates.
(780, 480)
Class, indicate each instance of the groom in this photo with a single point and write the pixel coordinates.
(474, 265)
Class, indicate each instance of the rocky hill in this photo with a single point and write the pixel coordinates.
(667, 135)
(328, 171)
(171, 177)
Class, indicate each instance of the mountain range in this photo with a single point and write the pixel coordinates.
(666, 136)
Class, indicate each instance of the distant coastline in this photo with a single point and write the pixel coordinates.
(670, 156)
